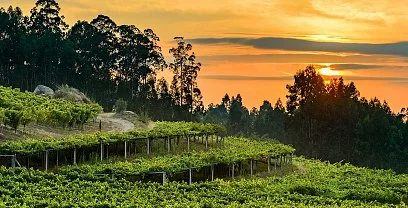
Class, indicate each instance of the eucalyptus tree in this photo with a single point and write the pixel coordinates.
(185, 68)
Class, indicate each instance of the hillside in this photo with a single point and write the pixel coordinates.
(317, 184)
(186, 165)
(26, 115)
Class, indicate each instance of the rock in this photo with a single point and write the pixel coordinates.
(131, 113)
(44, 91)
(71, 94)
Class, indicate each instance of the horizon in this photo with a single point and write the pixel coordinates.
(248, 49)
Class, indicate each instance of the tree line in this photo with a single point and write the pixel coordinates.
(104, 60)
(325, 121)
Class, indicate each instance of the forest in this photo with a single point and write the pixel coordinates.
(109, 62)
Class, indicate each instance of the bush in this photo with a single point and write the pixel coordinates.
(120, 105)
(13, 118)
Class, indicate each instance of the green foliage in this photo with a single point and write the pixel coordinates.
(318, 184)
(161, 130)
(26, 107)
(234, 150)
(120, 105)
(13, 118)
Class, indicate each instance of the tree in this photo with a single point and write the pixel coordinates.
(45, 16)
(185, 68)
(307, 89)
(238, 121)
(52, 56)
(96, 64)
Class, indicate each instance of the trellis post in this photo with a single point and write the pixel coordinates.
(269, 164)
(125, 149)
(291, 158)
(57, 158)
(75, 151)
(206, 141)
(101, 151)
(46, 160)
(212, 172)
(164, 178)
(233, 170)
(190, 176)
(13, 161)
(252, 167)
(275, 161)
(168, 144)
(188, 143)
(148, 145)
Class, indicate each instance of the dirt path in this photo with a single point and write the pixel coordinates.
(115, 124)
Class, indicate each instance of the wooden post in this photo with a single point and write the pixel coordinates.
(164, 178)
(212, 172)
(13, 161)
(275, 161)
(280, 161)
(148, 145)
(190, 176)
(291, 158)
(168, 144)
(75, 156)
(269, 164)
(252, 167)
(101, 151)
(206, 141)
(46, 160)
(233, 171)
(188, 143)
(125, 149)
(57, 158)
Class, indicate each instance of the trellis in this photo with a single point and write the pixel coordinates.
(278, 161)
(102, 149)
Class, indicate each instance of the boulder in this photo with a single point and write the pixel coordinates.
(130, 113)
(44, 91)
(71, 94)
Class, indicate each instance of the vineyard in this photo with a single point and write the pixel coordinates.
(317, 184)
(22, 108)
(184, 164)
(234, 154)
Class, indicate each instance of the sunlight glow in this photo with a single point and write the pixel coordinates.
(327, 71)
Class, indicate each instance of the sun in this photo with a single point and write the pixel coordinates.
(327, 71)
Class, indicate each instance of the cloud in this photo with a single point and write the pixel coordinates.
(300, 58)
(341, 67)
(289, 78)
(323, 9)
(292, 44)
(240, 77)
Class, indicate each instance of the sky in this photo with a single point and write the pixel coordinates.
(254, 47)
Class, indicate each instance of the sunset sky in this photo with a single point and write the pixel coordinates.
(254, 47)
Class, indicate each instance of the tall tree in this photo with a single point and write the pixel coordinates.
(52, 55)
(185, 68)
(45, 16)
